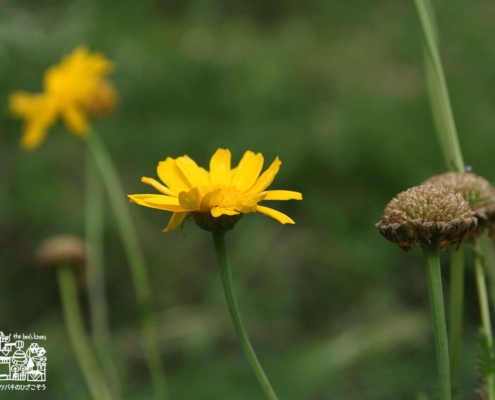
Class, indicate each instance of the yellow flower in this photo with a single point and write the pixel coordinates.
(73, 89)
(220, 192)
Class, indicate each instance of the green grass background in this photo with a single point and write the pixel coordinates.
(336, 89)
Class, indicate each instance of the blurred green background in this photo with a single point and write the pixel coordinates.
(335, 89)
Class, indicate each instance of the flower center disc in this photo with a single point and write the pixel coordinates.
(229, 196)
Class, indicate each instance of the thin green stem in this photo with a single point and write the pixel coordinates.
(437, 111)
(438, 88)
(433, 92)
(456, 309)
(137, 264)
(434, 275)
(223, 261)
(77, 335)
(484, 308)
(482, 292)
(489, 262)
(95, 274)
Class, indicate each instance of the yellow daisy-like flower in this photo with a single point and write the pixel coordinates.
(73, 89)
(218, 198)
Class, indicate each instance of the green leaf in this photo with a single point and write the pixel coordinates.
(486, 356)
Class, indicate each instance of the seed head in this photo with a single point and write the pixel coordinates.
(476, 190)
(427, 214)
(61, 250)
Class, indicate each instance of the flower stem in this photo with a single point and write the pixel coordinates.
(456, 309)
(484, 308)
(438, 90)
(80, 341)
(223, 261)
(432, 260)
(489, 263)
(136, 261)
(95, 274)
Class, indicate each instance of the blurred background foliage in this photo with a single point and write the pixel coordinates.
(336, 89)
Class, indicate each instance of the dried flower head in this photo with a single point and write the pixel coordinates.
(427, 214)
(216, 198)
(476, 190)
(61, 250)
(74, 90)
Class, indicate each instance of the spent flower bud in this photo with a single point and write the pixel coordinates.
(427, 214)
(476, 190)
(61, 250)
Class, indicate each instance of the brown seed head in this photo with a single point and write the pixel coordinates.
(476, 190)
(427, 214)
(61, 250)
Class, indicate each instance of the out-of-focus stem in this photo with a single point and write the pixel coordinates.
(489, 261)
(484, 308)
(438, 90)
(95, 274)
(77, 335)
(139, 273)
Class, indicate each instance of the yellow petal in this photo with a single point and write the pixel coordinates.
(76, 120)
(157, 201)
(81, 68)
(34, 133)
(265, 179)
(158, 186)
(211, 200)
(220, 167)
(280, 217)
(97, 65)
(172, 176)
(217, 211)
(41, 114)
(196, 176)
(250, 204)
(141, 197)
(23, 104)
(282, 195)
(247, 171)
(190, 200)
(175, 220)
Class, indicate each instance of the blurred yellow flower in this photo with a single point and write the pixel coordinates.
(221, 191)
(73, 89)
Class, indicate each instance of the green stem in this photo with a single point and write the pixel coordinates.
(484, 308)
(78, 337)
(137, 264)
(223, 261)
(489, 258)
(95, 274)
(433, 92)
(438, 88)
(438, 318)
(456, 309)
